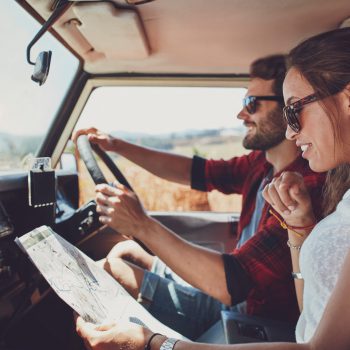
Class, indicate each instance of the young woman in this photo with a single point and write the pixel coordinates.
(317, 96)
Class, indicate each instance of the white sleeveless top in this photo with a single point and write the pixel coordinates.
(321, 259)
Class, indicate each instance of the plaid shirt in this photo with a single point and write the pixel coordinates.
(265, 283)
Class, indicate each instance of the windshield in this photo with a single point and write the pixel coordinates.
(27, 109)
(184, 120)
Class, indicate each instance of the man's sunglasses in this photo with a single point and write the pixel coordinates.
(292, 112)
(250, 102)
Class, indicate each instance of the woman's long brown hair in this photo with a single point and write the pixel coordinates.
(324, 61)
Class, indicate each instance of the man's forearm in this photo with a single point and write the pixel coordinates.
(172, 167)
(201, 267)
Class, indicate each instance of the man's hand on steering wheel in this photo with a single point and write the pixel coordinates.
(85, 146)
(121, 209)
(105, 141)
(132, 214)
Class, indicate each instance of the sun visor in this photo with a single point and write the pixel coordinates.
(79, 42)
(108, 31)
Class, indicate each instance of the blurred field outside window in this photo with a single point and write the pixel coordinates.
(184, 120)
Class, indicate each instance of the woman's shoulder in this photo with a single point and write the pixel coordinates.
(346, 196)
(337, 222)
(343, 206)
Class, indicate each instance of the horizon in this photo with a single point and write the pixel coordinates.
(116, 132)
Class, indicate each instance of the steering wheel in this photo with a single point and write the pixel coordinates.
(85, 150)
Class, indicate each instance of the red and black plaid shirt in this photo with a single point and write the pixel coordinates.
(259, 271)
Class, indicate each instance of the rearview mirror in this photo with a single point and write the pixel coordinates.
(42, 63)
(42, 67)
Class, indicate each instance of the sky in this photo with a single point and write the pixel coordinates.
(27, 108)
(157, 110)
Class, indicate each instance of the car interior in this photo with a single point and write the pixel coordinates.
(122, 43)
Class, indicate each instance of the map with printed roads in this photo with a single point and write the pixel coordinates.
(82, 284)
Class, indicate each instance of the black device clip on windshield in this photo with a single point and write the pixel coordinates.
(42, 62)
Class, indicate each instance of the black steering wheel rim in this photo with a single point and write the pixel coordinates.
(85, 149)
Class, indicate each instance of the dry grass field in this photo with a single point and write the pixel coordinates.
(160, 195)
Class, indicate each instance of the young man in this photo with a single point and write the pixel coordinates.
(259, 269)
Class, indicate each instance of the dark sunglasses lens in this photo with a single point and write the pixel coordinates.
(250, 104)
(291, 117)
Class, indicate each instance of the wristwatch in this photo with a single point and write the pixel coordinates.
(297, 276)
(169, 344)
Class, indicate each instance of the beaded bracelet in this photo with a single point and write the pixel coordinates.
(296, 247)
(289, 227)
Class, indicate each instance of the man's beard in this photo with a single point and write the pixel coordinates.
(269, 133)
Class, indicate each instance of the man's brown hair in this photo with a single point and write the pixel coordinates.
(268, 68)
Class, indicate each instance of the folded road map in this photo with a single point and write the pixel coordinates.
(82, 284)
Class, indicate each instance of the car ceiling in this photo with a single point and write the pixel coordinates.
(188, 36)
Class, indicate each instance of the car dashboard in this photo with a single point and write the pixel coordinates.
(21, 285)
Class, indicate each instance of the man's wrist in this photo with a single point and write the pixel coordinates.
(146, 228)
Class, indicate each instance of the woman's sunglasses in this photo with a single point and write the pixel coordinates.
(250, 102)
(292, 112)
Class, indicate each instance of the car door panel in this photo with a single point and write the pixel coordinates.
(213, 230)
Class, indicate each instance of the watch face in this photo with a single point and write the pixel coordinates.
(297, 275)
